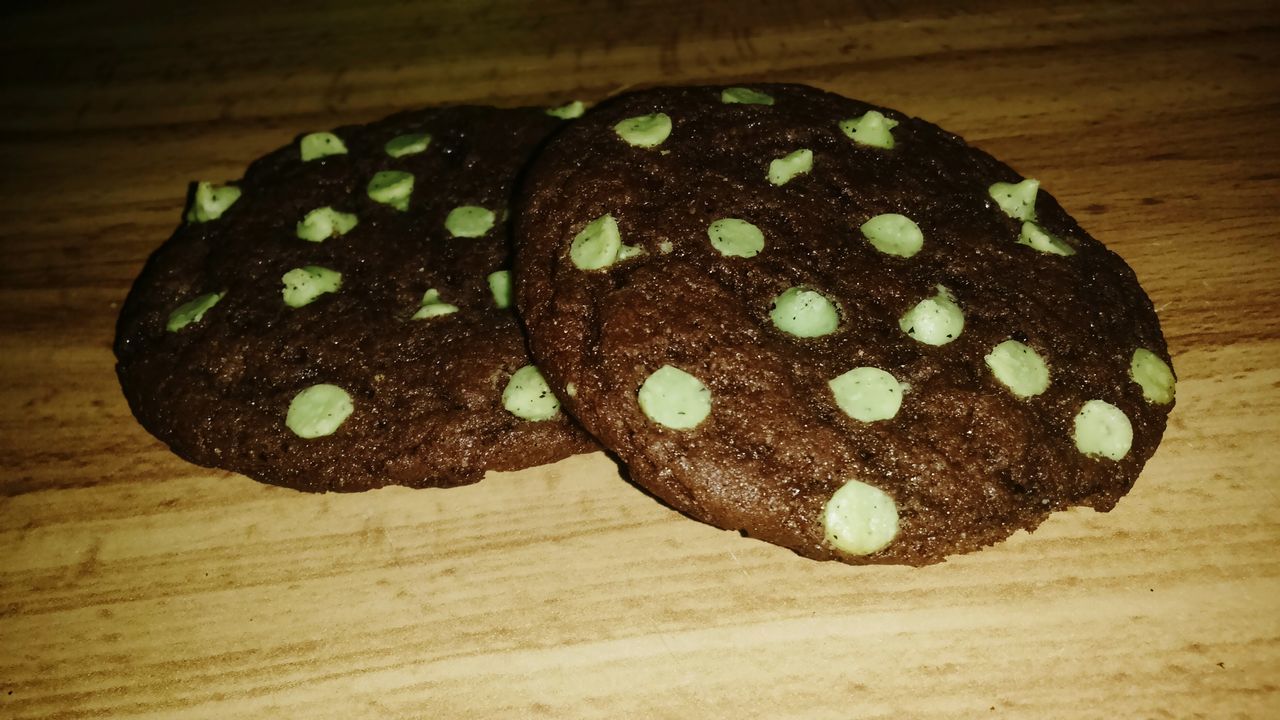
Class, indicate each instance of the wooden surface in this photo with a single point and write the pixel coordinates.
(135, 585)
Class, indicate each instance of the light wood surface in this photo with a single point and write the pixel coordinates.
(135, 585)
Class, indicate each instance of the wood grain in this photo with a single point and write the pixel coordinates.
(135, 585)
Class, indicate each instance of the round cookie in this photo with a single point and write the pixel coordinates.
(832, 326)
(339, 319)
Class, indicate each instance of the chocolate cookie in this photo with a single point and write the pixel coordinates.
(832, 326)
(339, 318)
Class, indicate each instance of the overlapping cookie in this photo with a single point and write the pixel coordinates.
(340, 319)
(832, 326)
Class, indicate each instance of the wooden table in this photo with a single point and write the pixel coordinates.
(135, 585)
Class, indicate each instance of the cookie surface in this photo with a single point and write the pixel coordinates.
(339, 319)
(832, 326)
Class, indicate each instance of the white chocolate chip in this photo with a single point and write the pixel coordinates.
(867, 394)
(674, 398)
(1103, 430)
(860, 519)
(1019, 367)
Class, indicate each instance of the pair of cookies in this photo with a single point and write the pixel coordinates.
(821, 323)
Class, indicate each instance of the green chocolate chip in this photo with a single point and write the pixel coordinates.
(411, 144)
(1018, 201)
(392, 187)
(674, 398)
(783, 169)
(321, 144)
(433, 306)
(469, 221)
(1153, 375)
(597, 245)
(645, 131)
(1019, 368)
(893, 234)
(744, 96)
(871, 128)
(804, 313)
(860, 519)
(736, 238)
(210, 201)
(500, 287)
(303, 285)
(867, 394)
(1103, 430)
(568, 111)
(325, 222)
(191, 311)
(318, 411)
(527, 395)
(934, 321)
(626, 252)
(1033, 235)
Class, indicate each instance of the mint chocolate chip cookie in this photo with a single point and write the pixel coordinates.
(338, 319)
(830, 325)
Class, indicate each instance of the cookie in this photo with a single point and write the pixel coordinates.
(339, 319)
(832, 326)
